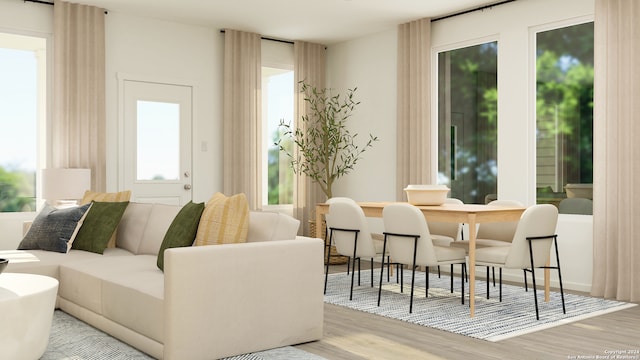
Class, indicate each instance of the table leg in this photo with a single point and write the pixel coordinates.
(472, 263)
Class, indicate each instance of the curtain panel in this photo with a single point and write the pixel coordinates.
(616, 214)
(309, 66)
(414, 160)
(241, 116)
(77, 127)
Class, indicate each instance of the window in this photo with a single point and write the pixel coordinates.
(277, 105)
(22, 109)
(564, 113)
(467, 121)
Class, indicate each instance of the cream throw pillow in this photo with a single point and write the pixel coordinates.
(121, 196)
(225, 220)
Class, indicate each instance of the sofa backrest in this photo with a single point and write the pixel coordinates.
(143, 226)
(268, 226)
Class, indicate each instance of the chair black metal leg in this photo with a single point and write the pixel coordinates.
(500, 271)
(426, 275)
(464, 269)
(328, 250)
(487, 282)
(384, 249)
(493, 273)
(451, 272)
(413, 273)
(438, 271)
(564, 310)
(372, 272)
(526, 286)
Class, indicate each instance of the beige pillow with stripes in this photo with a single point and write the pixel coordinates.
(121, 196)
(225, 220)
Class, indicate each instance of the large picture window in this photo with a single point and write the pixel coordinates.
(564, 113)
(467, 121)
(22, 109)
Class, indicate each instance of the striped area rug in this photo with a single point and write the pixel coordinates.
(72, 339)
(493, 320)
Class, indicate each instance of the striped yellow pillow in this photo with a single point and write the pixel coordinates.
(225, 220)
(121, 196)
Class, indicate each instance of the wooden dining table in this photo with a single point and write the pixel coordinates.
(470, 214)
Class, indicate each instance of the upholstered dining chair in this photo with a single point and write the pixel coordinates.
(349, 232)
(529, 249)
(408, 241)
(444, 233)
(493, 234)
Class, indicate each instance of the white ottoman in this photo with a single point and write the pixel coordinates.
(26, 310)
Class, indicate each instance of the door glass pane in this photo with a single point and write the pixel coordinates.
(158, 141)
(564, 113)
(467, 122)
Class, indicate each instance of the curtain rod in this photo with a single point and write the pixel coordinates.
(472, 10)
(268, 38)
(49, 3)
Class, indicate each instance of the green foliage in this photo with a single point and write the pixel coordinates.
(326, 149)
(16, 191)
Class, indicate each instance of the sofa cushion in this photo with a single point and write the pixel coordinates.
(182, 231)
(99, 225)
(120, 196)
(132, 225)
(267, 226)
(160, 218)
(53, 229)
(225, 220)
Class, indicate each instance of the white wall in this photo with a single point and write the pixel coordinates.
(147, 49)
(156, 50)
(370, 64)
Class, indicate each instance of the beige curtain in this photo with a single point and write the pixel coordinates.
(309, 65)
(616, 199)
(77, 126)
(414, 105)
(241, 118)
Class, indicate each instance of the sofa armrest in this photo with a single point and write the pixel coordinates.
(223, 300)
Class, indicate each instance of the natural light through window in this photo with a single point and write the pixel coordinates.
(277, 105)
(22, 109)
(158, 152)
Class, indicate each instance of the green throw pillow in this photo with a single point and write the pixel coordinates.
(52, 229)
(101, 221)
(182, 230)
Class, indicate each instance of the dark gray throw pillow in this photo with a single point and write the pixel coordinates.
(52, 229)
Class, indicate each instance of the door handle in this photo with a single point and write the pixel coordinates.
(187, 186)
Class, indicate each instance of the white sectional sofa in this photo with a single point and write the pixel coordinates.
(210, 302)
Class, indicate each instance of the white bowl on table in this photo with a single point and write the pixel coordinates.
(426, 194)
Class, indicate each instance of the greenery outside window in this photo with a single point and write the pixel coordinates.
(277, 105)
(22, 109)
(564, 113)
(467, 121)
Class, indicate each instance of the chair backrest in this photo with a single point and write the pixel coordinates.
(402, 218)
(536, 220)
(449, 229)
(580, 206)
(502, 231)
(348, 215)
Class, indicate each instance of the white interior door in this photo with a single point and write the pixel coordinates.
(157, 142)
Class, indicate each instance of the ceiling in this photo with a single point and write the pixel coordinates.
(321, 21)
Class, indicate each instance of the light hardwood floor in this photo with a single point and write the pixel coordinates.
(350, 334)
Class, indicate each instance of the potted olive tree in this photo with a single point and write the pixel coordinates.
(326, 149)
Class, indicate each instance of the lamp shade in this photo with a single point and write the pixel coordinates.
(65, 184)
